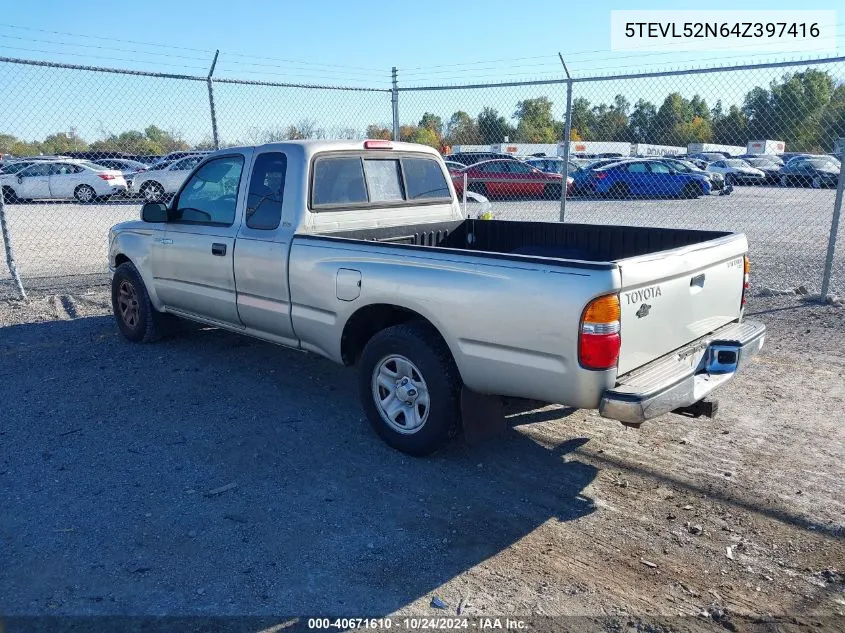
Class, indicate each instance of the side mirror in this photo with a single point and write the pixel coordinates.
(672, 172)
(20, 180)
(154, 212)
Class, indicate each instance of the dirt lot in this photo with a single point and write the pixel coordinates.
(210, 474)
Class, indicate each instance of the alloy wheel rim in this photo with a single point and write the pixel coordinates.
(400, 394)
(127, 304)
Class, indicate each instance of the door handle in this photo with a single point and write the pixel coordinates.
(164, 241)
(218, 249)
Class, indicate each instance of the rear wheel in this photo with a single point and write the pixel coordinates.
(817, 182)
(410, 388)
(691, 190)
(552, 191)
(619, 190)
(152, 192)
(85, 194)
(478, 187)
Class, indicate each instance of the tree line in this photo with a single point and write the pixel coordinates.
(806, 110)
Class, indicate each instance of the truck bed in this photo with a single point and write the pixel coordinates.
(595, 243)
(671, 292)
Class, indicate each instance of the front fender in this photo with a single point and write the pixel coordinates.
(134, 241)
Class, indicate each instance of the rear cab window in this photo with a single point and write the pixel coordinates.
(370, 180)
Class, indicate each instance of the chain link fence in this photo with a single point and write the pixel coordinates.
(755, 149)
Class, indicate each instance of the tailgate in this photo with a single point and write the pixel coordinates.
(671, 298)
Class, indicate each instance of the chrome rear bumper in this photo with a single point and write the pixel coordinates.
(683, 377)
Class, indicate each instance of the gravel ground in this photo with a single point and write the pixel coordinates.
(210, 474)
(787, 229)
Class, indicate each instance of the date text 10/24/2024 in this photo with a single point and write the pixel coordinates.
(418, 624)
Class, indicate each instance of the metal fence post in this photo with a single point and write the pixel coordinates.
(7, 243)
(210, 83)
(834, 229)
(567, 132)
(395, 102)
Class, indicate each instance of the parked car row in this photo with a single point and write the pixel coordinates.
(88, 181)
(721, 171)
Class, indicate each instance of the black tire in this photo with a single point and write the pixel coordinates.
(422, 346)
(478, 187)
(9, 195)
(552, 191)
(690, 191)
(85, 194)
(619, 190)
(149, 324)
(152, 192)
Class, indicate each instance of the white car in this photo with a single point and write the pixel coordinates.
(737, 171)
(62, 180)
(164, 178)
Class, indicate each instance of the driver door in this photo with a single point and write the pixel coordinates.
(34, 181)
(197, 274)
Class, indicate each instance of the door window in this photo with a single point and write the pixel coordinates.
(64, 169)
(266, 191)
(636, 168)
(659, 168)
(211, 194)
(42, 169)
(514, 167)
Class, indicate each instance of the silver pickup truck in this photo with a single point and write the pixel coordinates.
(358, 251)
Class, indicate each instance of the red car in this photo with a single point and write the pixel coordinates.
(497, 179)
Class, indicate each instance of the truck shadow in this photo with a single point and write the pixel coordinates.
(213, 474)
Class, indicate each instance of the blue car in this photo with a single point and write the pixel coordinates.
(647, 178)
(583, 177)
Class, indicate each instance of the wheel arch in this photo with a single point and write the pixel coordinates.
(368, 320)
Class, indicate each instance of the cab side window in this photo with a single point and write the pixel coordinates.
(211, 194)
(266, 191)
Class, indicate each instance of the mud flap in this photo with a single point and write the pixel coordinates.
(482, 416)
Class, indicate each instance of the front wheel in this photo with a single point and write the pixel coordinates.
(9, 195)
(784, 181)
(410, 388)
(136, 318)
(552, 191)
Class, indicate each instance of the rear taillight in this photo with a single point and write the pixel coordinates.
(107, 176)
(746, 279)
(598, 340)
(600, 175)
